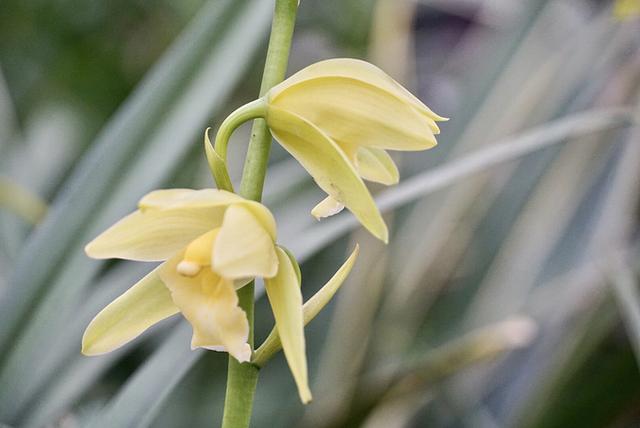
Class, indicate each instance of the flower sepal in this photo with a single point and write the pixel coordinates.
(310, 310)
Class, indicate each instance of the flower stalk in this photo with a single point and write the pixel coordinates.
(242, 377)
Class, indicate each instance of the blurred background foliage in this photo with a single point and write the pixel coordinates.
(506, 298)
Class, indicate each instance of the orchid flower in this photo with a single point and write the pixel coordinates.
(211, 242)
(338, 118)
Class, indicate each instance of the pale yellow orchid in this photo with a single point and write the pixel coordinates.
(212, 242)
(338, 117)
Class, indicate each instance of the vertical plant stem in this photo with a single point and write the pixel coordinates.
(243, 378)
(275, 67)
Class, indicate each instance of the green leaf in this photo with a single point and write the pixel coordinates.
(136, 152)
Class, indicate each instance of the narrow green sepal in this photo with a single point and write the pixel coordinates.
(285, 297)
(310, 309)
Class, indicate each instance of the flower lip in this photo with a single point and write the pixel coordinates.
(197, 254)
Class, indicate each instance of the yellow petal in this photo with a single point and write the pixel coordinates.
(285, 297)
(207, 198)
(152, 235)
(210, 304)
(376, 165)
(349, 68)
(243, 247)
(262, 215)
(326, 208)
(214, 200)
(328, 165)
(168, 220)
(355, 111)
(360, 70)
(167, 199)
(310, 309)
(140, 307)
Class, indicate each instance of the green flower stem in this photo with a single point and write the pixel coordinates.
(218, 156)
(242, 378)
(252, 110)
(275, 67)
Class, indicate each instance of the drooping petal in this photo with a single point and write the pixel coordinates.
(311, 309)
(366, 115)
(326, 208)
(243, 247)
(376, 165)
(285, 297)
(146, 303)
(210, 304)
(328, 165)
(168, 220)
(213, 199)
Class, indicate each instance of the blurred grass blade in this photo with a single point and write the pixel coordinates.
(625, 290)
(227, 50)
(73, 372)
(93, 178)
(21, 201)
(138, 401)
(75, 378)
(542, 223)
(509, 149)
(479, 345)
(589, 312)
(7, 116)
(412, 378)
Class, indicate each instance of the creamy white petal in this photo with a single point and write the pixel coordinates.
(285, 297)
(328, 165)
(326, 208)
(143, 305)
(243, 247)
(376, 165)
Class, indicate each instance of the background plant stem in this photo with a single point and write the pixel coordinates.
(242, 378)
